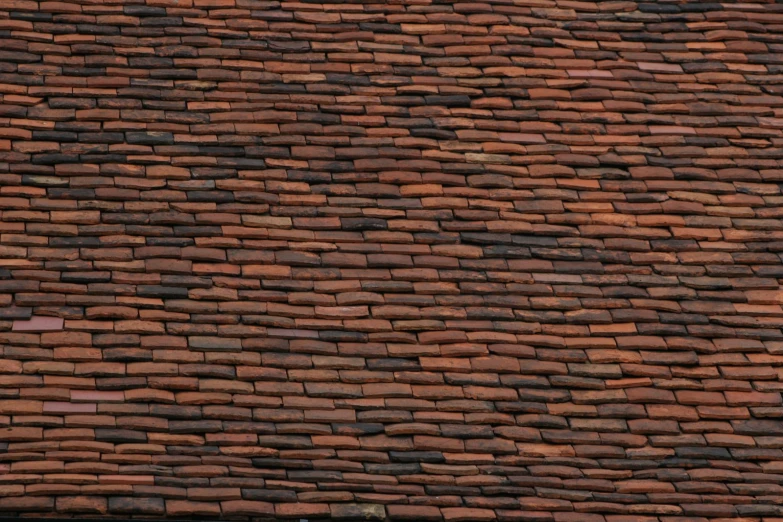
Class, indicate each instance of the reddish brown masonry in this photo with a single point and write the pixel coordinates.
(391, 259)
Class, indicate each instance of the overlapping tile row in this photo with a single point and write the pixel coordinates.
(415, 260)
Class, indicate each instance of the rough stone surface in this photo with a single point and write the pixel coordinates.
(516, 260)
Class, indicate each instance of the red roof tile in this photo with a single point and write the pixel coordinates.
(391, 260)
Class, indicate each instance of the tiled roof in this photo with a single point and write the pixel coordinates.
(407, 259)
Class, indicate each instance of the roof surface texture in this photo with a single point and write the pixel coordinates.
(404, 259)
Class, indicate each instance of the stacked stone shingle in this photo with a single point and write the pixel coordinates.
(417, 260)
